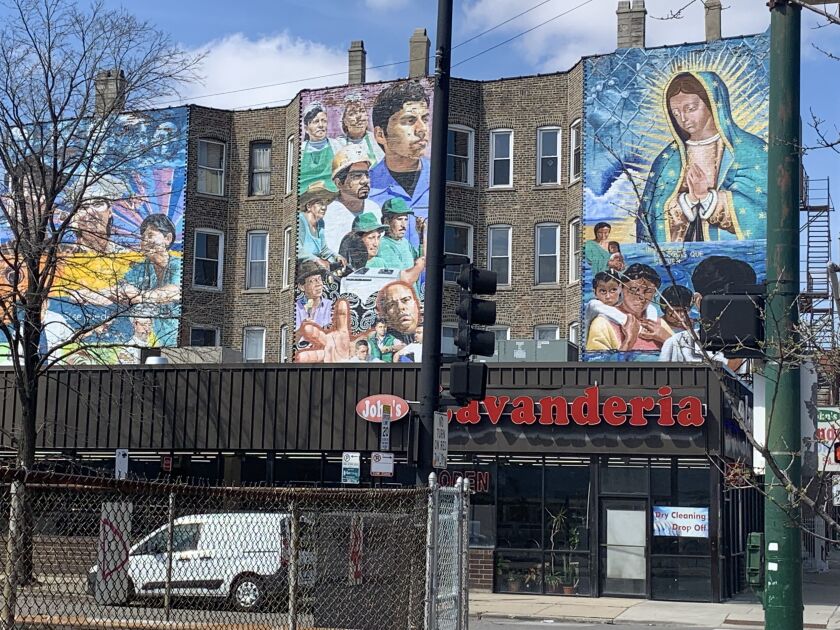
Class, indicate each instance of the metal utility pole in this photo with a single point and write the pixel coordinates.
(433, 299)
(783, 573)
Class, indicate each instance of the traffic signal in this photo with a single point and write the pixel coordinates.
(473, 311)
(733, 323)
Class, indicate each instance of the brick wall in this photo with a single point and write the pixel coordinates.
(481, 570)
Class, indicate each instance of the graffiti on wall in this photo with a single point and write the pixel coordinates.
(363, 197)
(675, 191)
(117, 286)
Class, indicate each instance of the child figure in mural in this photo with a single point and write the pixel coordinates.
(607, 288)
(710, 183)
(616, 259)
(675, 302)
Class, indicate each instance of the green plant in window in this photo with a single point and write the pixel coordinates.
(561, 528)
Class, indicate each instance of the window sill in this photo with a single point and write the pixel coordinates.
(574, 283)
(501, 189)
(574, 180)
(200, 287)
(557, 186)
(259, 198)
(504, 287)
(547, 286)
(255, 291)
(204, 195)
(460, 184)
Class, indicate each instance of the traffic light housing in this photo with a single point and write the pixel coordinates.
(733, 322)
(473, 311)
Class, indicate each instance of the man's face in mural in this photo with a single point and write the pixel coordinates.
(355, 120)
(317, 207)
(362, 352)
(371, 242)
(92, 221)
(408, 132)
(313, 287)
(397, 226)
(142, 328)
(692, 116)
(153, 241)
(357, 184)
(636, 295)
(317, 127)
(400, 308)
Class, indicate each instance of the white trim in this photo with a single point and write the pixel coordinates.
(290, 158)
(470, 238)
(287, 256)
(493, 134)
(575, 137)
(284, 344)
(537, 254)
(574, 337)
(555, 329)
(470, 154)
(248, 259)
(220, 263)
(215, 329)
(450, 326)
(212, 169)
(509, 256)
(559, 155)
(245, 332)
(574, 251)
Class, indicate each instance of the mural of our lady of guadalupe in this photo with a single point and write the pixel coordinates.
(708, 184)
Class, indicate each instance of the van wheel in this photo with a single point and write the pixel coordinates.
(247, 593)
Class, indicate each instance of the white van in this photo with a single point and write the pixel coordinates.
(240, 555)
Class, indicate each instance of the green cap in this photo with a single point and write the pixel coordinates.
(396, 205)
(367, 222)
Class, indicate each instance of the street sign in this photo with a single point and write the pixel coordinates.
(441, 440)
(385, 429)
(350, 468)
(835, 491)
(166, 463)
(121, 463)
(382, 465)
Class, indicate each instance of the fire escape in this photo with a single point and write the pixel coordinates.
(816, 303)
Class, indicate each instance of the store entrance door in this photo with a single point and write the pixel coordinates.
(624, 547)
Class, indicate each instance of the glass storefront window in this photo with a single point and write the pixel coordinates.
(567, 573)
(519, 572)
(566, 517)
(681, 578)
(688, 486)
(520, 504)
(624, 475)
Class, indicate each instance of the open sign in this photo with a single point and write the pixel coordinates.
(370, 408)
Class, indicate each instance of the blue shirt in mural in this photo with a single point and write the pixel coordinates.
(143, 276)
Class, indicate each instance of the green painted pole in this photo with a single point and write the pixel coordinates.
(783, 572)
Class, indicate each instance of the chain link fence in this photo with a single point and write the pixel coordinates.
(88, 552)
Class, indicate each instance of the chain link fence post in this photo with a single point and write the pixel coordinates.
(13, 555)
(432, 554)
(294, 543)
(170, 544)
(463, 554)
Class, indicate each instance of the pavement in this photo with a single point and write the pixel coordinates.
(821, 592)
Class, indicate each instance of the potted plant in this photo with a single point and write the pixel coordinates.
(532, 580)
(553, 583)
(570, 576)
(567, 574)
(509, 579)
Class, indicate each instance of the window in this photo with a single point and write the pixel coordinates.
(204, 336)
(574, 151)
(574, 250)
(498, 252)
(546, 333)
(253, 345)
(459, 155)
(211, 167)
(547, 254)
(447, 339)
(501, 159)
(284, 344)
(290, 160)
(260, 183)
(207, 259)
(502, 333)
(457, 239)
(287, 260)
(184, 538)
(256, 273)
(548, 155)
(574, 331)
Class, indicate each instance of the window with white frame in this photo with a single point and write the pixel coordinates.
(284, 344)
(205, 336)
(546, 332)
(498, 252)
(574, 250)
(459, 155)
(287, 256)
(502, 333)
(575, 142)
(211, 167)
(548, 156)
(260, 163)
(290, 160)
(256, 273)
(547, 252)
(207, 259)
(457, 239)
(253, 345)
(447, 339)
(574, 331)
(501, 158)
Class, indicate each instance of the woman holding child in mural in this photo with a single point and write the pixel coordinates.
(709, 184)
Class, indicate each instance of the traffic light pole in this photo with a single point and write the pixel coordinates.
(433, 298)
(783, 573)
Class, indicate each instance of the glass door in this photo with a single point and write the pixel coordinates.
(624, 547)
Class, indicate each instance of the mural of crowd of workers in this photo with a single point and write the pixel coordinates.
(117, 286)
(675, 192)
(363, 201)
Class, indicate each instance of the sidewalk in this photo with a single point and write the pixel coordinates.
(821, 592)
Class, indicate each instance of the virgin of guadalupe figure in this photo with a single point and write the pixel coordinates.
(710, 183)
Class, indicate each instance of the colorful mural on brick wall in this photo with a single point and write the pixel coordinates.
(118, 282)
(363, 203)
(675, 191)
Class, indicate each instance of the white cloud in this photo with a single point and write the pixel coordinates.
(592, 28)
(386, 5)
(235, 62)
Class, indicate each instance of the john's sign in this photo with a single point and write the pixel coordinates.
(586, 410)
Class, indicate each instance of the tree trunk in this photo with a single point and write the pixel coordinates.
(28, 396)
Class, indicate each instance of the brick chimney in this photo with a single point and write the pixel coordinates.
(356, 62)
(110, 91)
(631, 23)
(418, 54)
(713, 10)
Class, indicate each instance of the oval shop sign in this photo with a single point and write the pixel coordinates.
(370, 408)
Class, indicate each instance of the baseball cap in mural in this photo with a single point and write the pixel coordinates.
(396, 205)
(347, 156)
(308, 268)
(317, 190)
(367, 222)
